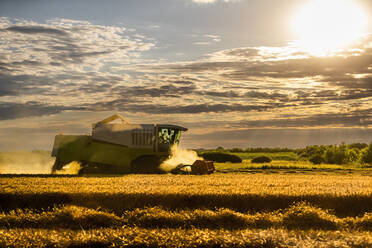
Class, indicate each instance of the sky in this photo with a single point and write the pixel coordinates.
(236, 73)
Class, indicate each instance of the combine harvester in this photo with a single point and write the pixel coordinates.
(122, 148)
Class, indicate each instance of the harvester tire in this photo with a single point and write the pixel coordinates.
(98, 168)
(147, 164)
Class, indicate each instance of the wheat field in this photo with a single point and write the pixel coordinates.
(220, 210)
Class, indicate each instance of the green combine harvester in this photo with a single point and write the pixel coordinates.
(117, 148)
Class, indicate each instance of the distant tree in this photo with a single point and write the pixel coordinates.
(236, 150)
(353, 155)
(336, 154)
(316, 159)
(311, 151)
(359, 146)
(221, 157)
(266, 149)
(261, 159)
(366, 155)
(331, 154)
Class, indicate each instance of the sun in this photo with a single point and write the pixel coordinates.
(322, 26)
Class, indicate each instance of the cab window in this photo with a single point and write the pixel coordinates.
(167, 137)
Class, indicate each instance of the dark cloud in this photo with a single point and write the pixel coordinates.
(7, 90)
(9, 110)
(94, 88)
(169, 90)
(352, 95)
(266, 95)
(140, 98)
(183, 82)
(226, 94)
(337, 95)
(17, 65)
(202, 108)
(199, 66)
(75, 56)
(25, 84)
(14, 85)
(293, 68)
(126, 104)
(36, 30)
(189, 88)
(350, 82)
(361, 118)
(56, 64)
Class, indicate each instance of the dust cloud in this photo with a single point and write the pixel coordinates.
(26, 162)
(70, 169)
(179, 156)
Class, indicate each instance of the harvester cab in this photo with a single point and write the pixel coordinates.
(167, 136)
(118, 147)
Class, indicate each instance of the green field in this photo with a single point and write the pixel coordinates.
(285, 166)
(259, 209)
(284, 162)
(286, 156)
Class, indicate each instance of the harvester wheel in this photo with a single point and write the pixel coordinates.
(98, 168)
(147, 164)
(87, 168)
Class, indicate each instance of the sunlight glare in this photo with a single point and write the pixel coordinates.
(326, 25)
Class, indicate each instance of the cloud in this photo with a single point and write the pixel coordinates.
(169, 90)
(68, 65)
(128, 104)
(361, 118)
(9, 110)
(344, 76)
(215, 38)
(212, 1)
(66, 42)
(61, 61)
(202, 43)
(349, 82)
(209, 39)
(204, 1)
(252, 63)
(36, 30)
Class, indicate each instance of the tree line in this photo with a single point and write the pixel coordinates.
(338, 154)
(318, 154)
